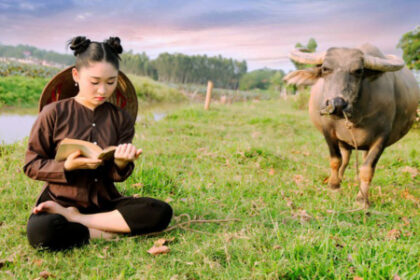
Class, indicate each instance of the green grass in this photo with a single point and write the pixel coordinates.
(260, 162)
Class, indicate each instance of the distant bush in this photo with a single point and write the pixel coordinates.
(151, 91)
(22, 91)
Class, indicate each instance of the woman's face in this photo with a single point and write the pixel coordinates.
(97, 82)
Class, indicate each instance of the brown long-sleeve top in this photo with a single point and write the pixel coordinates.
(105, 126)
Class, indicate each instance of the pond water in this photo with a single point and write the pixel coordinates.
(14, 127)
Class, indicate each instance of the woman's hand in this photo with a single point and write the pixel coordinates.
(73, 162)
(126, 153)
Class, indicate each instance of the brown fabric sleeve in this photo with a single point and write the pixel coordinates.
(39, 157)
(126, 134)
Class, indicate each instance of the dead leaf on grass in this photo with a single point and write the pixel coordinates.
(412, 170)
(157, 250)
(302, 215)
(290, 204)
(163, 241)
(406, 221)
(168, 200)
(394, 234)
(138, 185)
(298, 179)
(405, 194)
(45, 274)
(38, 262)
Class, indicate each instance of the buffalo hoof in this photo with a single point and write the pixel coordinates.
(362, 202)
(334, 186)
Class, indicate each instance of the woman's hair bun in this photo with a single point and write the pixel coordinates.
(115, 44)
(79, 44)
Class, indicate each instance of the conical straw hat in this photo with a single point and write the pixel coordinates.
(62, 86)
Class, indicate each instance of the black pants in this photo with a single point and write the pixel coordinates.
(54, 232)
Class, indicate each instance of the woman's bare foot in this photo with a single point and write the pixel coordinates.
(70, 213)
(96, 233)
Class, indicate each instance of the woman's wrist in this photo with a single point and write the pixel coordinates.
(121, 163)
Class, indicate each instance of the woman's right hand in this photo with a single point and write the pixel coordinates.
(73, 162)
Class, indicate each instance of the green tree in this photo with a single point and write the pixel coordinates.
(260, 79)
(410, 44)
(276, 80)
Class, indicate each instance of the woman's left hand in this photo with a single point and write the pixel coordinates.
(126, 153)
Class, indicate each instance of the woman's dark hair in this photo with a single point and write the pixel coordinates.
(87, 51)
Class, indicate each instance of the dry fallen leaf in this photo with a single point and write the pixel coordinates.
(303, 215)
(45, 274)
(396, 277)
(138, 185)
(298, 179)
(412, 170)
(163, 241)
(157, 250)
(406, 221)
(290, 204)
(405, 194)
(393, 234)
(38, 262)
(169, 200)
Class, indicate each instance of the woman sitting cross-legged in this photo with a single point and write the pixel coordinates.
(79, 200)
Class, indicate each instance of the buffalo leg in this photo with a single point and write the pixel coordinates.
(365, 154)
(345, 153)
(335, 161)
(367, 169)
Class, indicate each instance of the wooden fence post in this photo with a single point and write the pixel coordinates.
(208, 95)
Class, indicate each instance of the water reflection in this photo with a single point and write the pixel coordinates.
(16, 127)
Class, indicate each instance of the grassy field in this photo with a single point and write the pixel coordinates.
(262, 163)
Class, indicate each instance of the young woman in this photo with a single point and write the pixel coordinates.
(79, 200)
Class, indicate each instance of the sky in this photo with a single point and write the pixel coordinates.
(260, 32)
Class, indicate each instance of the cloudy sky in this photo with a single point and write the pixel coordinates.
(261, 32)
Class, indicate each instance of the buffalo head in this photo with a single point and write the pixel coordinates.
(342, 70)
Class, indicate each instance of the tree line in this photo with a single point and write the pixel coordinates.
(169, 68)
(186, 69)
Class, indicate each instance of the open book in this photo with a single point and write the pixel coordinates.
(87, 149)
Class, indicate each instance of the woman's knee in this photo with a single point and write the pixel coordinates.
(146, 215)
(165, 216)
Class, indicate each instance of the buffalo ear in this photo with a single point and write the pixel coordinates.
(305, 77)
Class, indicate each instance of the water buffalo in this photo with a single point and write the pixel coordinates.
(377, 94)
